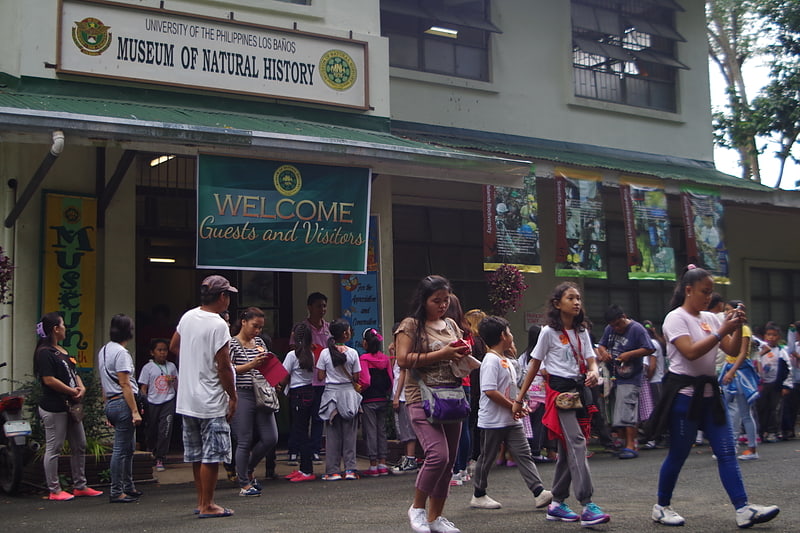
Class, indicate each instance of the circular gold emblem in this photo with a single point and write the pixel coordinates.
(287, 180)
(338, 70)
(91, 36)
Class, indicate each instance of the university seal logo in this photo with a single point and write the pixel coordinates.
(287, 180)
(338, 70)
(91, 36)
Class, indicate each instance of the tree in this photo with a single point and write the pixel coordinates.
(732, 29)
(776, 110)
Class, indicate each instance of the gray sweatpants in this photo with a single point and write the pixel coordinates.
(572, 467)
(340, 444)
(516, 443)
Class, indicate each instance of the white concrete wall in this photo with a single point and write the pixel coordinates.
(531, 91)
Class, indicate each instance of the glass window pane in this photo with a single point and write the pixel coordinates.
(470, 62)
(411, 260)
(439, 56)
(403, 51)
(410, 223)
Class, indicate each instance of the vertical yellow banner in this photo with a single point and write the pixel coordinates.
(69, 269)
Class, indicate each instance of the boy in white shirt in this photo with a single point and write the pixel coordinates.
(496, 420)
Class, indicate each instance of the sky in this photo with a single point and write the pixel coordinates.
(756, 76)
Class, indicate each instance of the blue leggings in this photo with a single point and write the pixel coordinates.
(682, 435)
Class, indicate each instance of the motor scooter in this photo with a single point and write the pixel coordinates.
(14, 449)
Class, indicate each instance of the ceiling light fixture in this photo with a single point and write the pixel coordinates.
(442, 32)
(161, 259)
(161, 159)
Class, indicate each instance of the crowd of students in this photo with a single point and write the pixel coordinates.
(709, 376)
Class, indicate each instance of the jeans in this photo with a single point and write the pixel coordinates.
(119, 414)
(739, 412)
(464, 443)
(57, 428)
(682, 434)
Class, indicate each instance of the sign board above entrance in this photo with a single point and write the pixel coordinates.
(256, 214)
(110, 40)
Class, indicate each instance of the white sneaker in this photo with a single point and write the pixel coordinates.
(543, 499)
(484, 502)
(752, 514)
(443, 525)
(456, 480)
(419, 520)
(665, 515)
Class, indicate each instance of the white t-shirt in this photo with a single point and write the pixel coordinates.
(554, 350)
(160, 389)
(497, 373)
(298, 376)
(337, 374)
(113, 358)
(658, 376)
(680, 323)
(202, 335)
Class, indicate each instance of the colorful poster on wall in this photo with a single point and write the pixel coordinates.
(360, 293)
(256, 214)
(705, 240)
(644, 211)
(511, 227)
(69, 269)
(580, 224)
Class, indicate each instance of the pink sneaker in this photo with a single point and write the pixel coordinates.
(88, 491)
(383, 470)
(62, 496)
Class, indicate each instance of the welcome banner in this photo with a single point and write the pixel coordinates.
(69, 269)
(580, 224)
(705, 241)
(511, 227)
(644, 210)
(255, 214)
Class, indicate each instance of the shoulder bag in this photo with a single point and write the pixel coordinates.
(265, 394)
(443, 404)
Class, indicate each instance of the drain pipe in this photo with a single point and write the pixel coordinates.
(38, 176)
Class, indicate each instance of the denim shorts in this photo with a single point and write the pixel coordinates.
(626, 405)
(206, 440)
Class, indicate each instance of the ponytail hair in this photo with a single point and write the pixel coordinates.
(302, 346)
(44, 330)
(338, 328)
(690, 276)
(373, 339)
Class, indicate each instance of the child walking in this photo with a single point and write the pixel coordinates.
(773, 367)
(339, 368)
(565, 349)
(498, 423)
(376, 385)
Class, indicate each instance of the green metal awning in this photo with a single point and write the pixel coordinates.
(651, 165)
(159, 127)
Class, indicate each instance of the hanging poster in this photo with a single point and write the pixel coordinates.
(580, 224)
(69, 269)
(511, 227)
(644, 210)
(705, 241)
(360, 293)
(256, 214)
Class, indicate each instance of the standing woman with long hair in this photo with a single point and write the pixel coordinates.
(299, 363)
(691, 397)
(423, 345)
(115, 366)
(61, 386)
(248, 352)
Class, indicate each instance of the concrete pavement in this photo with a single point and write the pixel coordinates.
(625, 489)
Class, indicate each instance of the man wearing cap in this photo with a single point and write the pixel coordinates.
(207, 395)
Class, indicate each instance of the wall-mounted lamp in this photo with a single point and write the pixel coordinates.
(442, 32)
(161, 159)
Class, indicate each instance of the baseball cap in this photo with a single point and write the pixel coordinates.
(216, 284)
